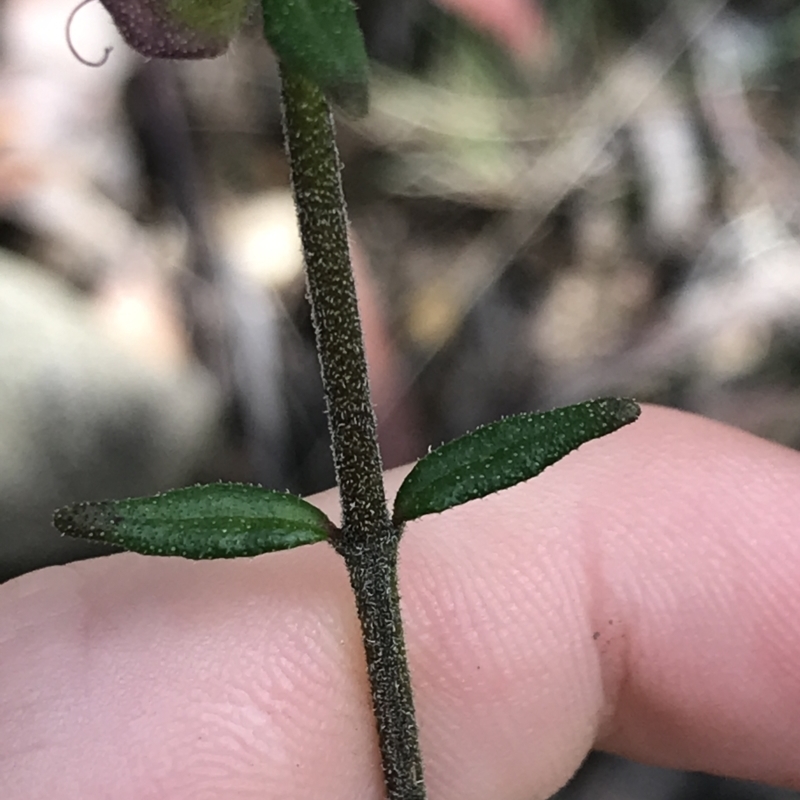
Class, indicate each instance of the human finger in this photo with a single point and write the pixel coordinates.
(641, 595)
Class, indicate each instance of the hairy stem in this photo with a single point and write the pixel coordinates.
(368, 540)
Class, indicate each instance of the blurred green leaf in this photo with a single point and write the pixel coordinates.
(222, 520)
(321, 39)
(504, 453)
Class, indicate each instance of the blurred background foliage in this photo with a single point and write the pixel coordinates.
(550, 201)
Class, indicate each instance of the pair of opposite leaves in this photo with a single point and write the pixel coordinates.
(319, 39)
(235, 520)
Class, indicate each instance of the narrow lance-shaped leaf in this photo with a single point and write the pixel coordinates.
(503, 454)
(222, 520)
(321, 39)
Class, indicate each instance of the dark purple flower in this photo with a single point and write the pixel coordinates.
(171, 28)
(157, 29)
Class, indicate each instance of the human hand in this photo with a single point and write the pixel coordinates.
(641, 596)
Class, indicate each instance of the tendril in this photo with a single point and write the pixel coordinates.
(68, 32)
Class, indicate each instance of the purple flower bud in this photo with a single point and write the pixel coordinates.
(177, 28)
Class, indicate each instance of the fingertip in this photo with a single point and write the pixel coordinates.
(641, 595)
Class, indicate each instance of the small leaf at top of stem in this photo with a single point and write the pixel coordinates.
(321, 40)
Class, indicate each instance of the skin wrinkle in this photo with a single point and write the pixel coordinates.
(623, 603)
(732, 554)
(610, 637)
(590, 693)
(474, 582)
(667, 504)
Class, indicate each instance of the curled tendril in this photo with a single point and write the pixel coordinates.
(68, 32)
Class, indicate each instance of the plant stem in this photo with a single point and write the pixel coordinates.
(368, 540)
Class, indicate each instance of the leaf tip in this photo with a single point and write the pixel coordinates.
(628, 410)
(86, 520)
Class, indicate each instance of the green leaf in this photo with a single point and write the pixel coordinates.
(221, 520)
(321, 40)
(504, 453)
